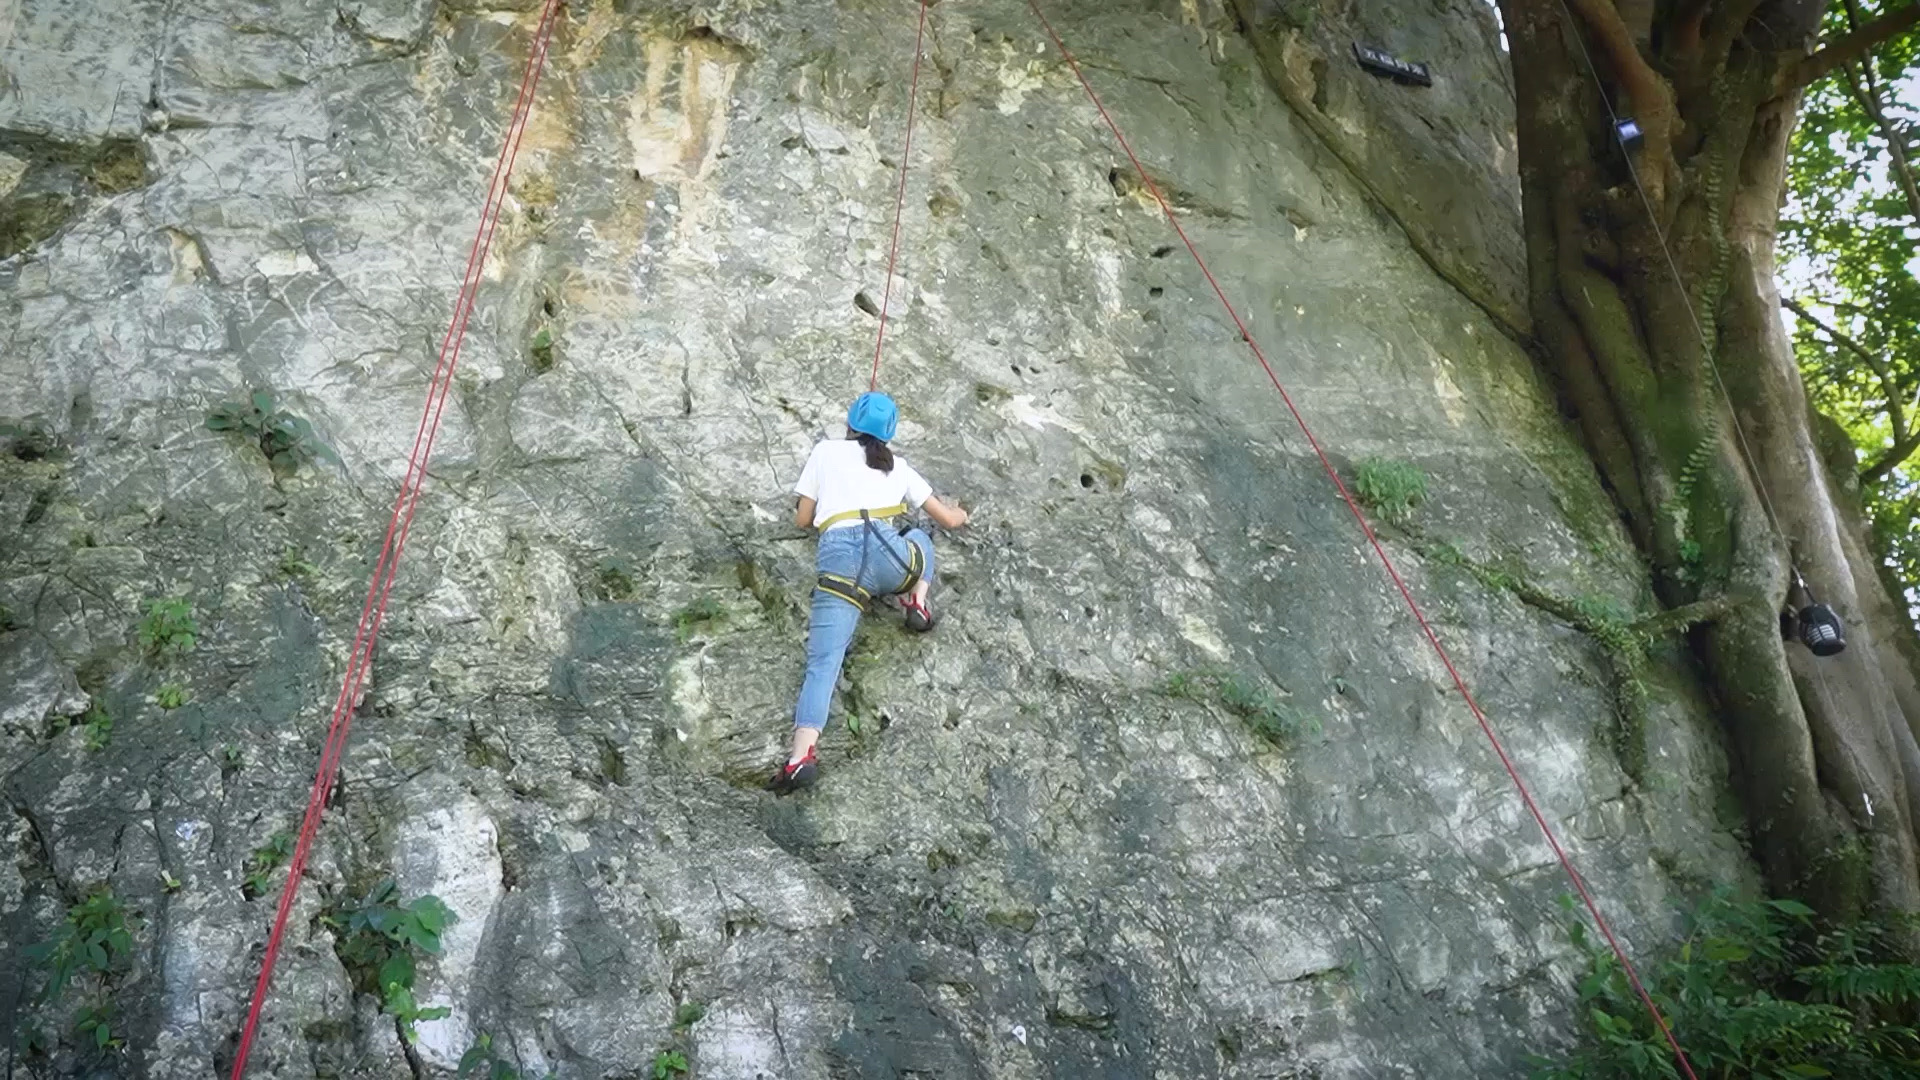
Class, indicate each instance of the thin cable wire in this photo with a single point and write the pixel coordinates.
(899, 200)
(1386, 561)
(1679, 282)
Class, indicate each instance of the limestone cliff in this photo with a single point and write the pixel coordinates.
(1053, 847)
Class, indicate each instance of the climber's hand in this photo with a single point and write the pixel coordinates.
(945, 516)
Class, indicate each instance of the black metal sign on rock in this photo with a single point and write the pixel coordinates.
(1381, 62)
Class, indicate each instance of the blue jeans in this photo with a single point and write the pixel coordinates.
(833, 621)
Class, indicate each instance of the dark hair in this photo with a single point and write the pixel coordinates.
(879, 457)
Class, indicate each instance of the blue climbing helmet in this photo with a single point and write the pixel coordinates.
(875, 414)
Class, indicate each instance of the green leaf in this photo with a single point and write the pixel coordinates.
(263, 402)
(398, 970)
(1727, 952)
(1805, 1069)
(220, 421)
(399, 1000)
(1791, 907)
(384, 920)
(432, 914)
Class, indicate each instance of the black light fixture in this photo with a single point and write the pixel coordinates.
(1815, 625)
(1821, 630)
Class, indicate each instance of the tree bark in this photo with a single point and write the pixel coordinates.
(1652, 284)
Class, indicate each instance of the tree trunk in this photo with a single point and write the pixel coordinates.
(1824, 749)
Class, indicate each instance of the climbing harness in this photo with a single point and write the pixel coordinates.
(1386, 561)
(400, 524)
(850, 589)
(882, 514)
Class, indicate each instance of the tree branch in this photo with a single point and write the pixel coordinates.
(1686, 616)
(1652, 99)
(1905, 440)
(1726, 22)
(1896, 455)
(1896, 415)
(1869, 99)
(1853, 45)
(1687, 21)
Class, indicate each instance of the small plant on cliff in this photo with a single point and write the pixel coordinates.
(96, 728)
(170, 696)
(668, 1064)
(1270, 718)
(94, 1024)
(264, 860)
(542, 350)
(287, 440)
(168, 628)
(381, 940)
(695, 615)
(614, 579)
(1757, 989)
(92, 948)
(483, 1062)
(295, 566)
(1391, 489)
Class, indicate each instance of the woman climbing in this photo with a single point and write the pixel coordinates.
(850, 490)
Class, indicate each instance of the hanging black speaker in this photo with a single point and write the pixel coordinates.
(1821, 631)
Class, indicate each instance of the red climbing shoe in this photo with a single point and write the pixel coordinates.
(795, 775)
(919, 615)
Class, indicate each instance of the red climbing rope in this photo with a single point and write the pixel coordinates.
(400, 524)
(899, 200)
(1406, 594)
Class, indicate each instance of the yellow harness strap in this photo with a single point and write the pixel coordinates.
(881, 514)
(845, 588)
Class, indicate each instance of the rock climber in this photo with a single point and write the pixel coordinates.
(853, 490)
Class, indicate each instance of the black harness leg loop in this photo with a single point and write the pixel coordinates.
(913, 566)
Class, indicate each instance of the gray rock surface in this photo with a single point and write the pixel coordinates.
(1030, 860)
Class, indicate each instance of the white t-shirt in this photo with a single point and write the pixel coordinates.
(837, 479)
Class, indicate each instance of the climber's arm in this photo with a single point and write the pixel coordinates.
(803, 513)
(947, 517)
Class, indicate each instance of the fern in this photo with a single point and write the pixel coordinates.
(1697, 459)
(1713, 197)
(1756, 991)
(1678, 507)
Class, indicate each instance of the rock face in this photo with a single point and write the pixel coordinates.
(1054, 846)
